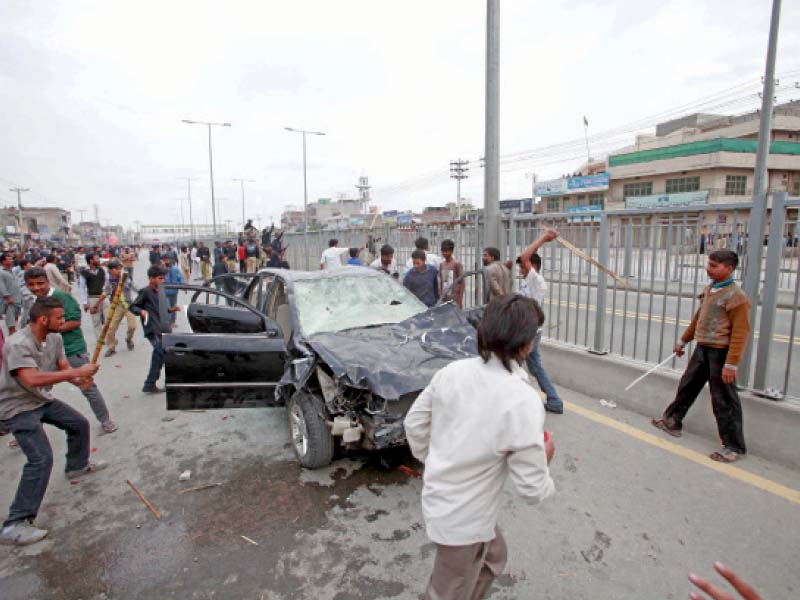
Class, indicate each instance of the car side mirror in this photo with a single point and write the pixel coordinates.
(271, 328)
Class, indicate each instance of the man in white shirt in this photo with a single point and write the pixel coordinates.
(434, 260)
(386, 262)
(474, 426)
(535, 287)
(332, 257)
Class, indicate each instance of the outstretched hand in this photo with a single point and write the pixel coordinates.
(745, 590)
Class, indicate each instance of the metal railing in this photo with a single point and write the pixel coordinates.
(660, 253)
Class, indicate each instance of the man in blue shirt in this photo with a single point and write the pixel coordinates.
(173, 275)
(354, 259)
(422, 279)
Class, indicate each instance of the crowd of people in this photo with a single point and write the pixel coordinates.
(468, 452)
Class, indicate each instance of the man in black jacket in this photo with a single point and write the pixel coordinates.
(154, 313)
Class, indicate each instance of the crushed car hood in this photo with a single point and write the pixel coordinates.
(397, 359)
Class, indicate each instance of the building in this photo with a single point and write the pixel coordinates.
(580, 192)
(705, 159)
(171, 233)
(37, 224)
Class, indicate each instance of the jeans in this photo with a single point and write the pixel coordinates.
(29, 433)
(92, 394)
(706, 365)
(172, 301)
(536, 368)
(156, 361)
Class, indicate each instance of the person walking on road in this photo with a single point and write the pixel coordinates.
(91, 282)
(474, 426)
(74, 343)
(10, 292)
(34, 361)
(535, 288)
(449, 272)
(155, 319)
(54, 276)
(173, 276)
(721, 327)
(114, 275)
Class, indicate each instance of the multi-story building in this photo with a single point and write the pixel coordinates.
(37, 223)
(580, 192)
(169, 233)
(705, 159)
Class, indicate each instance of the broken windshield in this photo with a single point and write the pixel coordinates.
(334, 304)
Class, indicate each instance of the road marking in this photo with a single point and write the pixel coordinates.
(730, 470)
(776, 337)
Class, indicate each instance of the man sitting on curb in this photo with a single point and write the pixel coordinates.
(34, 361)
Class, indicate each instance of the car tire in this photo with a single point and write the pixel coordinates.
(310, 435)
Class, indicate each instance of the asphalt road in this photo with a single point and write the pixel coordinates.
(633, 514)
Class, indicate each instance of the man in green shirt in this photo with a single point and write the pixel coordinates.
(72, 336)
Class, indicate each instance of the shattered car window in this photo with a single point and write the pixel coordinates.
(334, 304)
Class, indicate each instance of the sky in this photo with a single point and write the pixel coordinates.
(93, 94)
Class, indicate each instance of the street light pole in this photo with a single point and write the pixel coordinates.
(242, 182)
(305, 189)
(491, 180)
(758, 214)
(189, 196)
(19, 191)
(210, 165)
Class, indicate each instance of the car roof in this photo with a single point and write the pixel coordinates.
(348, 271)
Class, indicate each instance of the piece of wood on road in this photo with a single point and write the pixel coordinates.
(147, 502)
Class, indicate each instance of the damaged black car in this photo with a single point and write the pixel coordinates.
(346, 351)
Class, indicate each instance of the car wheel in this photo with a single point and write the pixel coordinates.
(310, 435)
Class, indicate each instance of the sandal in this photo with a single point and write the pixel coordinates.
(109, 426)
(13, 443)
(726, 456)
(662, 425)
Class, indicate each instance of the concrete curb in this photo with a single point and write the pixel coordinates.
(770, 427)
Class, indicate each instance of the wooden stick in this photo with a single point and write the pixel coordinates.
(589, 259)
(147, 503)
(248, 540)
(200, 487)
(114, 302)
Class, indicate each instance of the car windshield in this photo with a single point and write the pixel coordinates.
(334, 304)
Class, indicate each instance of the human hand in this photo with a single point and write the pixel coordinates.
(85, 308)
(143, 315)
(550, 235)
(549, 446)
(678, 349)
(88, 370)
(93, 310)
(728, 375)
(744, 589)
(83, 383)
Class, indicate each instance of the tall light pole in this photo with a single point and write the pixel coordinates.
(305, 189)
(189, 196)
(758, 214)
(491, 179)
(210, 165)
(242, 182)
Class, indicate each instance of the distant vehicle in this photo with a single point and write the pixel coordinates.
(346, 351)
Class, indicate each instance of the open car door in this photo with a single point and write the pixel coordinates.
(233, 358)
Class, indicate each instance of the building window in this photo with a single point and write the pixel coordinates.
(796, 191)
(735, 185)
(596, 200)
(683, 184)
(640, 188)
(553, 204)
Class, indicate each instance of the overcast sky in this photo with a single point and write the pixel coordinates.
(93, 93)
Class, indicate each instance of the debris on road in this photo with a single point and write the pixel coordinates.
(608, 403)
(168, 418)
(200, 487)
(185, 476)
(147, 503)
(248, 540)
(194, 410)
(410, 472)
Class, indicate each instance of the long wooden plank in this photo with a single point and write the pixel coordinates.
(580, 253)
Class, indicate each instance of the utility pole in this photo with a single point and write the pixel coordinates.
(19, 191)
(305, 132)
(533, 187)
(458, 171)
(758, 214)
(586, 136)
(491, 180)
(242, 182)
